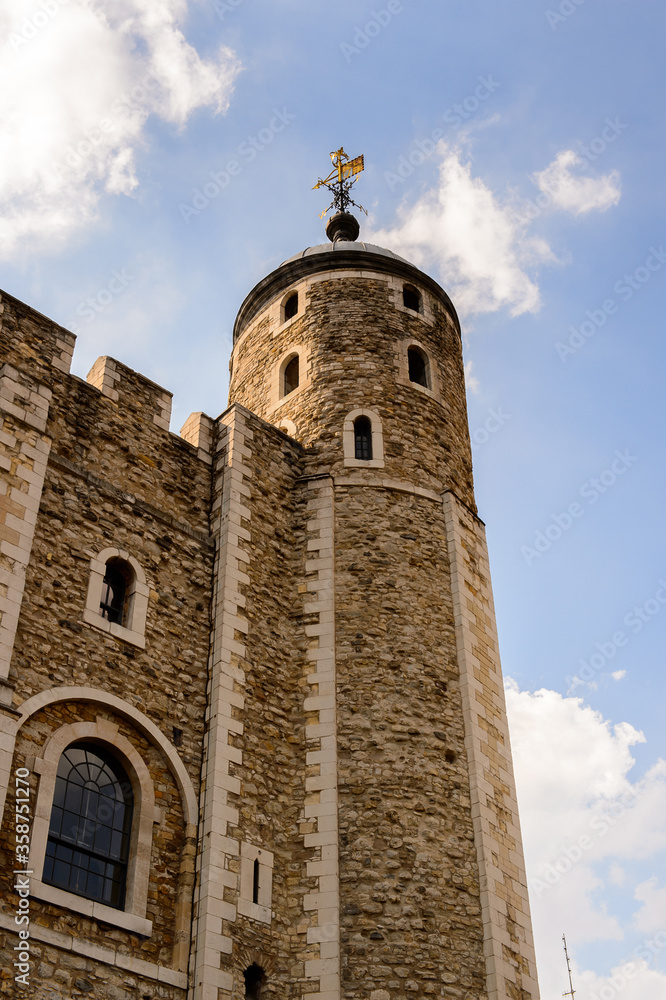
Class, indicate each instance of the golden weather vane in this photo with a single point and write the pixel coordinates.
(340, 181)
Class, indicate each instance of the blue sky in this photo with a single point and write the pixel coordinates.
(537, 202)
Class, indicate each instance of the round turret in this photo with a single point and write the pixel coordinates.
(357, 354)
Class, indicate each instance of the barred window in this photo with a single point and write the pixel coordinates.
(91, 819)
(118, 578)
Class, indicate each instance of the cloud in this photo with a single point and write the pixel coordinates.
(78, 82)
(586, 826)
(630, 980)
(480, 249)
(652, 916)
(471, 381)
(573, 193)
(125, 306)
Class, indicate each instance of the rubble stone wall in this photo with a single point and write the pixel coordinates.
(115, 479)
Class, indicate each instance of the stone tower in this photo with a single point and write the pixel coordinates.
(302, 687)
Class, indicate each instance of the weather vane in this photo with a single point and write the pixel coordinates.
(340, 181)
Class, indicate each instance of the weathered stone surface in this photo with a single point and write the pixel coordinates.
(319, 672)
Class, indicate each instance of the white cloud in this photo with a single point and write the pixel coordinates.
(78, 81)
(585, 823)
(618, 675)
(630, 980)
(617, 875)
(652, 916)
(573, 193)
(473, 238)
(471, 381)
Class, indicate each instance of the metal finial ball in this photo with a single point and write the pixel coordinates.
(342, 227)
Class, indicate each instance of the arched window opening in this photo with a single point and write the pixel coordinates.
(418, 367)
(91, 819)
(363, 439)
(291, 306)
(255, 881)
(255, 978)
(291, 376)
(116, 585)
(411, 298)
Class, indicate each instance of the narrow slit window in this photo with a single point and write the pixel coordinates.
(291, 306)
(255, 881)
(411, 298)
(291, 374)
(418, 367)
(363, 439)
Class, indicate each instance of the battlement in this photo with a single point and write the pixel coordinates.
(122, 384)
(37, 352)
(29, 339)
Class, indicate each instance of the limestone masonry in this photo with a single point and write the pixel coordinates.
(250, 690)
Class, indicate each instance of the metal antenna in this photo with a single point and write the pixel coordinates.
(570, 992)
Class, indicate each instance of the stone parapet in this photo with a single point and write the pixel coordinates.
(125, 386)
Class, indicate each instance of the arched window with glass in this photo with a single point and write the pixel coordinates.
(363, 438)
(88, 845)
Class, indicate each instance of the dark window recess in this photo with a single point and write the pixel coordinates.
(418, 367)
(411, 298)
(291, 306)
(363, 438)
(91, 820)
(115, 591)
(255, 881)
(291, 376)
(255, 977)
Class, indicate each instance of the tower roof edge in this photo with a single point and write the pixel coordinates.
(343, 255)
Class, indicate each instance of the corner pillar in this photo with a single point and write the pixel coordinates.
(508, 943)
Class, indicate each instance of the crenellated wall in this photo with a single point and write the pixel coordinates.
(90, 467)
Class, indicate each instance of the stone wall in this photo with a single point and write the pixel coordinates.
(115, 478)
(69, 946)
(255, 756)
(313, 711)
(409, 878)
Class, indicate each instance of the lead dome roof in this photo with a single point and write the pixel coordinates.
(345, 245)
